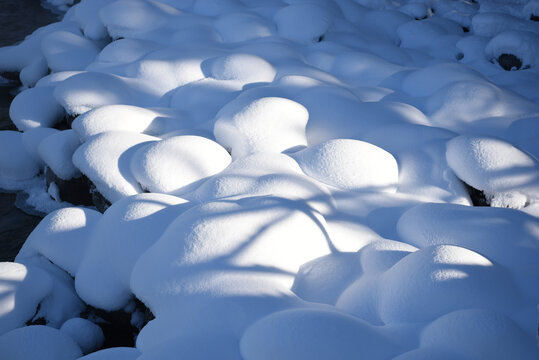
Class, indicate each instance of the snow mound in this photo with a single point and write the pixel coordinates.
(65, 51)
(237, 27)
(21, 290)
(127, 118)
(466, 332)
(32, 138)
(178, 164)
(429, 282)
(38, 342)
(496, 167)
(506, 236)
(521, 44)
(57, 150)
(269, 124)
(124, 232)
(86, 334)
(265, 174)
(311, 334)
(105, 159)
(350, 165)
(117, 353)
(302, 22)
(62, 237)
(381, 255)
(15, 162)
(244, 67)
(35, 107)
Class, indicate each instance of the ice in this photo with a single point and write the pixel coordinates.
(124, 232)
(105, 159)
(268, 124)
(16, 163)
(57, 150)
(38, 342)
(35, 107)
(309, 334)
(65, 51)
(62, 237)
(178, 164)
(350, 165)
(21, 290)
(496, 167)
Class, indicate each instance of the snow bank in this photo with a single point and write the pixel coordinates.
(178, 164)
(22, 289)
(38, 342)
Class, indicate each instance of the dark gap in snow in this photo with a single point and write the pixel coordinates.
(98, 200)
(69, 119)
(477, 196)
(534, 17)
(11, 75)
(75, 191)
(465, 29)
(422, 18)
(320, 38)
(120, 327)
(62, 125)
(37, 321)
(459, 56)
(509, 62)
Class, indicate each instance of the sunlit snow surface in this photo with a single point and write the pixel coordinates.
(287, 179)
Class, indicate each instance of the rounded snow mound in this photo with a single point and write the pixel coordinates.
(124, 232)
(520, 44)
(430, 282)
(38, 342)
(15, 162)
(470, 333)
(350, 165)
(304, 334)
(62, 237)
(35, 107)
(243, 67)
(269, 124)
(57, 151)
(496, 167)
(105, 159)
(178, 164)
(86, 334)
(303, 22)
(236, 27)
(66, 51)
(22, 289)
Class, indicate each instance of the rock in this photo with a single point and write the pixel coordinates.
(509, 62)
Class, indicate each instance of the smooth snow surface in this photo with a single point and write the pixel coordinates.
(278, 179)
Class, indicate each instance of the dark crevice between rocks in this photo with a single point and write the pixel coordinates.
(99, 201)
(11, 76)
(120, 327)
(509, 62)
(465, 29)
(534, 17)
(477, 196)
(459, 56)
(320, 38)
(37, 320)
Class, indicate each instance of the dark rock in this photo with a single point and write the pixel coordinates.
(99, 201)
(534, 17)
(459, 56)
(320, 38)
(465, 29)
(509, 62)
(477, 196)
(75, 191)
(12, 76)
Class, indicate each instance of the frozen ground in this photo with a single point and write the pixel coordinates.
(265, 179)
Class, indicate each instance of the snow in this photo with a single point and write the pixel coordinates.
(21, 290)
(278, 179)
(178, 164)
(105, 159)
(350, 165)
(38, 342)
(57, 150)
(86, 334)
(268, 124)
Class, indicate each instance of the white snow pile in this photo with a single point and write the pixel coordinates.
(275, 179)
